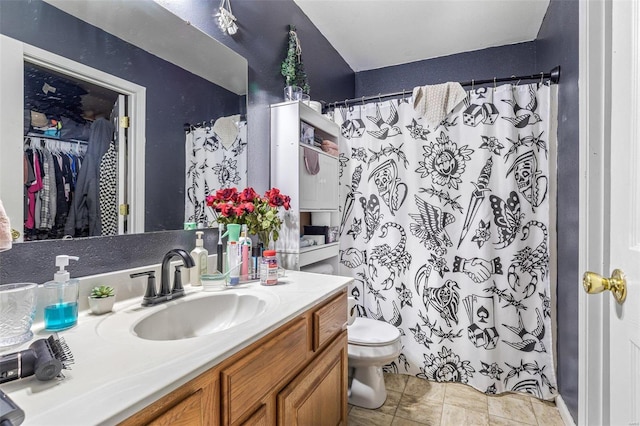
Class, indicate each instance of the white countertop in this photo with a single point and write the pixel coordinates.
(117, 374)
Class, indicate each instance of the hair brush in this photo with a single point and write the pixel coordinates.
(45, 358)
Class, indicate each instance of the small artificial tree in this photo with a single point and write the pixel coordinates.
(292, 68)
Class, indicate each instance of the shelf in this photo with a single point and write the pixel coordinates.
(313, 254)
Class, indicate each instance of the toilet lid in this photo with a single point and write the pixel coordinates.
(369, 332)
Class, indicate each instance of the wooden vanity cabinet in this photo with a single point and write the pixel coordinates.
(297, 374)
(194, 403)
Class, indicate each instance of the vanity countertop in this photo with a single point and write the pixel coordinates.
(117, 374)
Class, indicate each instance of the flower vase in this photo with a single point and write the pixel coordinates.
(266, 242)
(292, 93)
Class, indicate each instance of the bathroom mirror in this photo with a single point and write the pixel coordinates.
(187, 77)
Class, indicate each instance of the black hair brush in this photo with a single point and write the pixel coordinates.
(46, 358)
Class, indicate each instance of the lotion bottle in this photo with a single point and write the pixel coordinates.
(245, 250)
(61, 306)
(200, 258)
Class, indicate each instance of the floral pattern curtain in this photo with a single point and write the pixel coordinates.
(216, 158)
(445, 230)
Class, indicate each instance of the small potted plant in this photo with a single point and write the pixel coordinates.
(292, 69)
(102, 299)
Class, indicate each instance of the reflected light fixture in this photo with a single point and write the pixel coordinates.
(226, 20)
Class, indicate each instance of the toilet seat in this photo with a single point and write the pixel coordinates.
(369, 332)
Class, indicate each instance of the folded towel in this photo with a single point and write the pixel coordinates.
(311, 161)
(333, 152)
(5, 230)
(435, 102)
(306, 242)
(329, 144)
(227, 129)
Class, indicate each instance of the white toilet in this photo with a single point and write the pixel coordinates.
(372, 344)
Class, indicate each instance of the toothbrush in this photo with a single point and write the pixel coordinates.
(219, 248)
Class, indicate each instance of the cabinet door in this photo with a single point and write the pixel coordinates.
(194, 403)
(259, 418)
(187, 412)
(318, 395)
(319, 191)
(250, 379)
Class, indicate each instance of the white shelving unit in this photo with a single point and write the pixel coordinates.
(310, 193)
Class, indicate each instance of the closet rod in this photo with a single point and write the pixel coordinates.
(553, 76)
(49, 138)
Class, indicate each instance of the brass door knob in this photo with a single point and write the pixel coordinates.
(617, 284)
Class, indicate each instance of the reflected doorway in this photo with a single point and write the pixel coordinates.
(18, 59)
(63, 199)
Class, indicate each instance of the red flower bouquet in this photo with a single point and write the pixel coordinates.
(259, 213)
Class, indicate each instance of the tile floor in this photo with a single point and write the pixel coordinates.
(413, 401)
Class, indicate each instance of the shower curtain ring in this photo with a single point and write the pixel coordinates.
(494, 84)
(363, 101)
(473, 84)
(541, 77)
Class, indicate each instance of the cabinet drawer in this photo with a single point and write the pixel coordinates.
(329, 320)
(246, 382)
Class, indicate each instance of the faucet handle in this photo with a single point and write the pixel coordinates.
(177, 280)
(150, 294)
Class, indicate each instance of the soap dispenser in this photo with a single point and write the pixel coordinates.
(61, 298)
(200, 258)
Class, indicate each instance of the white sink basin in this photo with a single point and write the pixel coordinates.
(187, 318)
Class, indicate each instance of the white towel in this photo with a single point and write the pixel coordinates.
(227, 129)
(435, 102)
(5, 230)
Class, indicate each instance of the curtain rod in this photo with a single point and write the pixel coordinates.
(188, 126)
(553, 76)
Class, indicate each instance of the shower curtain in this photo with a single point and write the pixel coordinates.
(445, 230)
(216, 158)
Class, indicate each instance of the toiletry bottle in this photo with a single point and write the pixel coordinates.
(255, 263)
(200, 258)
(220, 249)
(245, 250)
(61, 304)
(234, 255)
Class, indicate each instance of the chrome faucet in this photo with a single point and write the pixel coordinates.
(166, 292)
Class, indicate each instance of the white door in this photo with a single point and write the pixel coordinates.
(121, 141)
(624, 319)
(620, 336)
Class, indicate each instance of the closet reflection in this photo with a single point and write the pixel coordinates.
(67, 193)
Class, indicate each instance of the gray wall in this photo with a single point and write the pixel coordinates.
(503, 61)
(557, 43)
(262, 40)
(174, 95)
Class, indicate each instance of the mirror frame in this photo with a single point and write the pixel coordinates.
(173, 40)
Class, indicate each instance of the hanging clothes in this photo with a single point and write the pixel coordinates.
(84, 213)
(109, 191)
(445, 230)
(33, 188)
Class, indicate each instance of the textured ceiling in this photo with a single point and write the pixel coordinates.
(371, 34)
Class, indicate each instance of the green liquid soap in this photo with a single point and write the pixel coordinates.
(60, 316)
